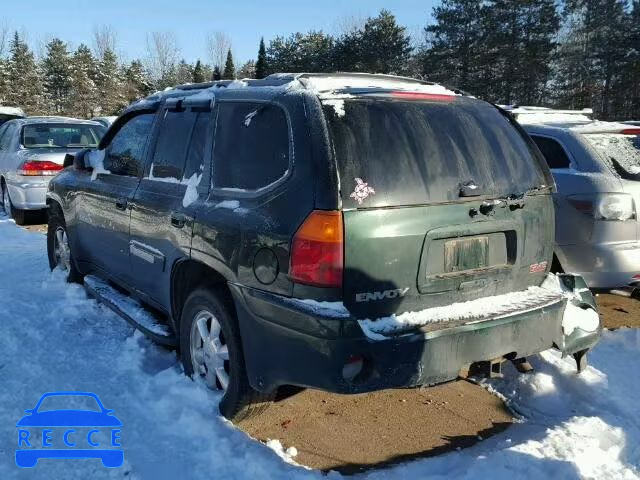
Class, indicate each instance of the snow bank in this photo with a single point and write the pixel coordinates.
(54, 338)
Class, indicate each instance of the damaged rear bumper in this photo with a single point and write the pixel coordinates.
(289, 343)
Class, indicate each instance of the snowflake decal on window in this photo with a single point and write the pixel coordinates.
(362, 191)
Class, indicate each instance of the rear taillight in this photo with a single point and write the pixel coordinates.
(39, 168)
(631, 131)
(317, 248)
(605, 206)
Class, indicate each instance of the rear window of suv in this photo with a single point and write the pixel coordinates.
(421, 152)
(622, 152)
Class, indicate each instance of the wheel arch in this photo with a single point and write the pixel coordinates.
(186, 276)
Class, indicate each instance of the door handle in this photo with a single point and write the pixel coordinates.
(121, 203)
(178, 220)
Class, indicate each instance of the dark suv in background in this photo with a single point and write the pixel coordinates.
(344, 232)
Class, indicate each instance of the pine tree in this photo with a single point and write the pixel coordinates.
(56, 67)
(454, 43)
(593, 55)
(198, 73)
(229, 68)
(4, 72)
(137, 82)
(216, 75)
(261, 64)
(381, 46)
(248, 70)
(110, 85)
(84, 92)
(184, 73)
(25, 87)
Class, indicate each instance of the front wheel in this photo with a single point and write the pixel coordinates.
(211, 350)
(59, 249)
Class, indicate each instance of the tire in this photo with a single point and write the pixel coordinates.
(19, 216)
(223, 355)
(59, 249)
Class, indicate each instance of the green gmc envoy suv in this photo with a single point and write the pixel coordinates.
(346, 232)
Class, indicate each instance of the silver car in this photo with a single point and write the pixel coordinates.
(596, 166)
(32, 151)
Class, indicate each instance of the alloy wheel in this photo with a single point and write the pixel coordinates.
(61, 249)
(209, 351)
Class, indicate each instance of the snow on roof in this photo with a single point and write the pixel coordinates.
(13, 111)
(329, 83)
(542, 115)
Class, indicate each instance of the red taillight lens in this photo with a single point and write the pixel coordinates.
(631, 131)
(317, 256)
(439, 97)
(38, 168)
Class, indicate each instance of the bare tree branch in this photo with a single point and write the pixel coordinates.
(218, 44)
(162, 54)
(104, 38)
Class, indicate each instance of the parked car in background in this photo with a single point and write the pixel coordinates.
(10, 113)
(345, 232)
(32, 150)
(106, 121)
(596, 166)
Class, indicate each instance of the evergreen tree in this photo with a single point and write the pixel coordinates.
(4, 72)
(184, 73)
(56, 67)
(25, 87)
(248, 70)
(229, 68)
(520, 36)
(261, 64)
(216, 75)
(198, 73)
(137, 82)
(84, 92)
(109, 85)
(454, 43)
(301, 52)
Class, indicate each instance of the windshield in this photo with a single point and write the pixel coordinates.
(69, 402)
(622, 152)
(47, 135)
(422, 152)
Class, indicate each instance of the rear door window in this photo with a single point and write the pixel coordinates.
(411, 153)
(553, 152)
(251, 148)
(620, 151)
(173, 141)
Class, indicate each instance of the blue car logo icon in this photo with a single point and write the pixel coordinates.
(69, 433)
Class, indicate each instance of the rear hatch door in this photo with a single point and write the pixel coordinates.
(444, 201)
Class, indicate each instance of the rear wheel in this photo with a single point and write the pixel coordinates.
(59, 249)
(19, 216)
(211, 350)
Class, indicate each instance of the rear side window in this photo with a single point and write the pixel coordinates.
(621, 152)
(251, 148)
(124, 154)
(196, 153)
(173, 142)
(5, 141)
(553, 152)
(411, 153)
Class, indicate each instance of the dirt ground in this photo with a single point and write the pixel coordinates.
(354, 433)
(618, 312)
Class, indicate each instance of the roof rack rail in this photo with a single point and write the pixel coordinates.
(381, 76)
(525, 109)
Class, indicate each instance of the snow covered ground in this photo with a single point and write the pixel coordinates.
(54, 339)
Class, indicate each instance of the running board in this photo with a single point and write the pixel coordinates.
(129, 309)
